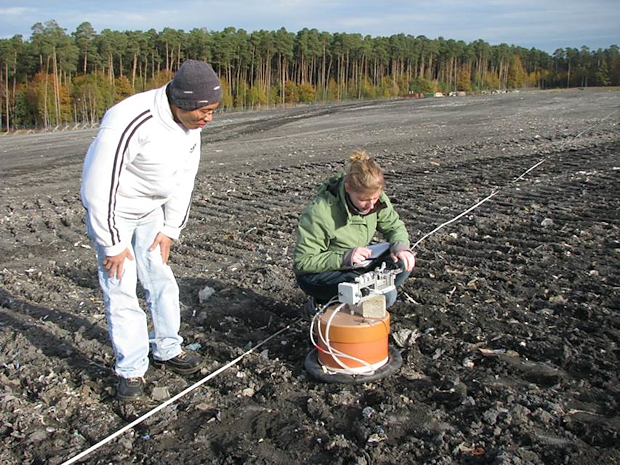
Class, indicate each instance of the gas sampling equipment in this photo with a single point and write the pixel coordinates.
(350, 333)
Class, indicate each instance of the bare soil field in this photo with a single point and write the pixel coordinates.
(508, 328)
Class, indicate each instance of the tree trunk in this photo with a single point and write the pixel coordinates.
(110, 68)
(47, 69)
(6, 83)
(133, 70)
(323, 83)
(56, 72)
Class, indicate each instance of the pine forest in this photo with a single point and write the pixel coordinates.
(56, 79)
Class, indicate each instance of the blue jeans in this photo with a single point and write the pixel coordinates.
(324, 285)
(127, 322)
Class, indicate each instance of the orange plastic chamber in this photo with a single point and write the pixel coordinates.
(365, 339)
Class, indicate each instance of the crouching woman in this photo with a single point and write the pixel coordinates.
(335, 230)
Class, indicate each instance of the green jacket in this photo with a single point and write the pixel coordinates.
(327, 229)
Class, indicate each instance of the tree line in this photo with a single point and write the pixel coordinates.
(55, 78)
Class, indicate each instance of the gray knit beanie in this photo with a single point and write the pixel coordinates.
(195, 85)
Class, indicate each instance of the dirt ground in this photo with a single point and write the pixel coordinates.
(508, 327)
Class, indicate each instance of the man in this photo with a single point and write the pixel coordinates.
(137, 183)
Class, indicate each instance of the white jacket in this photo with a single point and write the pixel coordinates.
(140, 160)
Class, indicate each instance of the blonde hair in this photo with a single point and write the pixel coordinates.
(363, 173)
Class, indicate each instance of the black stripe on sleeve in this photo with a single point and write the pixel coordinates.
(119, 156)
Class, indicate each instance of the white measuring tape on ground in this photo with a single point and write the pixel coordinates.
(286, 328)
(175, 398)
(497, 190)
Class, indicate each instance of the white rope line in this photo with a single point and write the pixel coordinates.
(175, 398)
(563, 144)
(531, 169)
(497, 190)
(455, 218)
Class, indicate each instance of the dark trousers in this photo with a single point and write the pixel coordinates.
(324, 285)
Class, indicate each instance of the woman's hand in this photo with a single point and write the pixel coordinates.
(356, 256)
(405, 256)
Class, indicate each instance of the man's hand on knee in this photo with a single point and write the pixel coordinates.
(164, 243)
(114, 264)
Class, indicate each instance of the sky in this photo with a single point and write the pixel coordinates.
(542, 24)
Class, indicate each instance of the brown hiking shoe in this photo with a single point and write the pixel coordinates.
(130, 388)
(185, 363)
